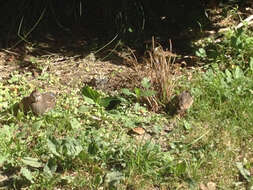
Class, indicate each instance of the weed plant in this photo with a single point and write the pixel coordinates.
(163, 73)
(234, 49)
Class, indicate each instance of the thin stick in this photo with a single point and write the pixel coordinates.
(106, 44)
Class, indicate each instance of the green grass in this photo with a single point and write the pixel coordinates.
(81, 145)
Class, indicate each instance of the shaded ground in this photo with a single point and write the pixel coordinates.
(70, 71)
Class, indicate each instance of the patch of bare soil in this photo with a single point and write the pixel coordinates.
(69, 71)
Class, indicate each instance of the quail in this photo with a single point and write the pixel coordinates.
(38, 103)
(185, 101)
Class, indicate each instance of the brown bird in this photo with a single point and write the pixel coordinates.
(185, 101)
(38, 103)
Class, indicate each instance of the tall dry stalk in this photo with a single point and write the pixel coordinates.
(164, 71)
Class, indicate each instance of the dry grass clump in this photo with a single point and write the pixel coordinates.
(164, 72)
(160, 68)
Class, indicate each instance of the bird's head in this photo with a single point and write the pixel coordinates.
(35, 96)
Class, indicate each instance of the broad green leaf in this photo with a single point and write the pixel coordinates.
(251, 63)
(228, 75)
(146, 83)
(238, 73)
(90, 93)
(187, 125)
(93, 148)
(147, 93)
(127, 92)
(245, 173)
(33, 162)
(137, 92)
(89, 100)
(201, 53)
(66, 147)
(47, 171)
(105, 101)
(37, 125)
(50, 167)
(27, 174)
(84, 156)
(75, 124)
(114, 177)
(52, 147)
(6, 132)
(72, 147)
(84, 109)
(109, 102)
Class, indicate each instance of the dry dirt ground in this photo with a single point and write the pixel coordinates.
(63, 61)
(71, 71)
